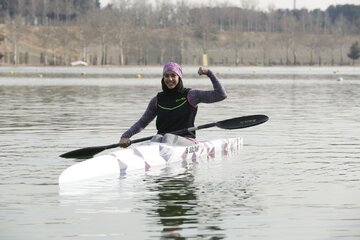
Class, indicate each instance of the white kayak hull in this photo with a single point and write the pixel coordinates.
(145, 157)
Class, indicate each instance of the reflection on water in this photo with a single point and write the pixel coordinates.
(175, 202)
(198, 202)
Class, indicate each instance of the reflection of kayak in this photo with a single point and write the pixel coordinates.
(146, 156)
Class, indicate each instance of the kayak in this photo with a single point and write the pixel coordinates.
(146, 156)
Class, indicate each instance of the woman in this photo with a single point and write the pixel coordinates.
(175, 107)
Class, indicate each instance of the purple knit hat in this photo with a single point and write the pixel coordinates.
(173, 67)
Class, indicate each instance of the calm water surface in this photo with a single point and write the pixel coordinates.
(297, 177)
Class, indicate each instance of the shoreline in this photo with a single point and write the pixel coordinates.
(154, 72)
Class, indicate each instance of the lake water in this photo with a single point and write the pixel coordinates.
(297, 176)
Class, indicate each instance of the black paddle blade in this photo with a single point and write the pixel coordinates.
(87, 152)
(242, 122)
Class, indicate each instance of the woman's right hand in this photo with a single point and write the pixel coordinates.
(124, 142)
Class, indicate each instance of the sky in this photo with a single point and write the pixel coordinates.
(264, 4)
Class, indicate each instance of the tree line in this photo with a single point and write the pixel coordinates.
(46, 9)
(56, 32)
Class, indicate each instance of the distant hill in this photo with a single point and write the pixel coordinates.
(142, 35)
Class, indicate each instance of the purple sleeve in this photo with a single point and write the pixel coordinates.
(146, 118)
(200, 96)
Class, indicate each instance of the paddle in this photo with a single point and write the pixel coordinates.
(233, 123)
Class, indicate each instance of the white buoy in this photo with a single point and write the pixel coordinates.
(340, 79)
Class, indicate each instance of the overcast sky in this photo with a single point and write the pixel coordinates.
(264, 4)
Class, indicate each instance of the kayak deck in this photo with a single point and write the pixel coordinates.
(147, 156)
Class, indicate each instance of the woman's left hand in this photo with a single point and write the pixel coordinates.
(202, 70)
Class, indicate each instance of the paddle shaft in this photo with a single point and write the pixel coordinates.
(190, 129)
(233, 123)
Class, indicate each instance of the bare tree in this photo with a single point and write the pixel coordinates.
(17, 29)
(203, 31)
(182, 22)
(239, 36)
(340, 31)
(46, 36)
(122, 29)
(289, 25)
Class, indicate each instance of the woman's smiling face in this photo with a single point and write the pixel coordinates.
(171, 79)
